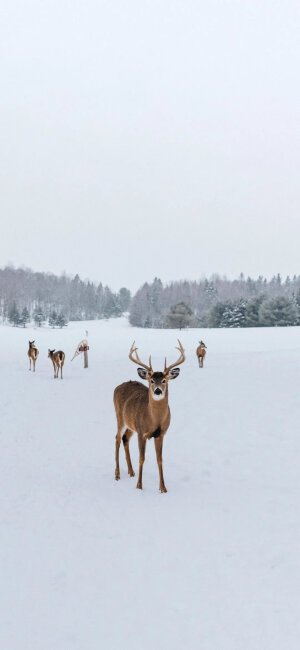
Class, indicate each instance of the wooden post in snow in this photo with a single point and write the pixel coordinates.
(86, 358)
(85, 353)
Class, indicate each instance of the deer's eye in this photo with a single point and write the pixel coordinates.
(163, 381)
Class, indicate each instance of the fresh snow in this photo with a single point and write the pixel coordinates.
(87, 562)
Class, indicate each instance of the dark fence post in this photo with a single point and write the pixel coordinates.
(86, 359)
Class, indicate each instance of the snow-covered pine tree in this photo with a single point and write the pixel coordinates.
(13, 315)
(52, 320)
(61, 320)
(24, 317)
(278, 312)
(38, 316)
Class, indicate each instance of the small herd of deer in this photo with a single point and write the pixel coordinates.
(57, 358)
(139, 409)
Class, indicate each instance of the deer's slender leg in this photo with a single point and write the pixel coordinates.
(142, 448)
(158, 448)
(61, 371)
(118, 442)
(29, 363)
(126, 437)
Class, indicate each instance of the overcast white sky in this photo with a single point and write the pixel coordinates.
(146, 138)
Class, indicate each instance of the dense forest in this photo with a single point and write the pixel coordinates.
(45, 297)
(218, 302)
(215, 302)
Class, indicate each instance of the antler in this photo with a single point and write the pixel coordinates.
(137, 358)
(180, 360)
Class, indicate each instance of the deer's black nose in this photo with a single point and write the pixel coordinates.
(157, 391)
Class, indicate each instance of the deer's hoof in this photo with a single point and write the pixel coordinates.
(139, 486)
(163, 489)
(132, 473)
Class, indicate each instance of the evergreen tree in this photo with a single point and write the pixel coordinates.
(210, 292)
(278, 312)
(111, 305)
(296, 299)
(228, 315)
(38, 316)
(238, 314)
(61, 320)
(216, 314)
(25, 317)
(252, 311)
(100, 300)
(124, 298)
(52, 320)
(139, 307)
(13, 315)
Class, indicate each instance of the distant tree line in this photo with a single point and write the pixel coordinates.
(218, 302)
(214, 302)
(48, 298)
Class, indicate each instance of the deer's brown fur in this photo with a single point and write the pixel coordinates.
(201, 352)
(58, 360)
(32, 354)
(146, 411)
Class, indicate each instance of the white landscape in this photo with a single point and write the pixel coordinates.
(88, 562)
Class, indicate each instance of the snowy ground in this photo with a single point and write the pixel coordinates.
(87, 562)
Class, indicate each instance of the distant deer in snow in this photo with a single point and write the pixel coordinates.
(32, 354)
(58, 360)
(201, 352)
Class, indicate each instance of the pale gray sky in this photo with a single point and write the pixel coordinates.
(150, 137)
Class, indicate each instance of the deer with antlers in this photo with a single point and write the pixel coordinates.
(144, 410)
(201, 352)
(58, 360)
(32, 354)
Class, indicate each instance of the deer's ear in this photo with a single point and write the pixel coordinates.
(143, 374)
(172, 374)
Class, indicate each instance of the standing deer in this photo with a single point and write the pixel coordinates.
(201, 352)
(58, 360)
(32, 354)
(144, 410)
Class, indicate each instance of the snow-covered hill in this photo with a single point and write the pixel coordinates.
(87, 562)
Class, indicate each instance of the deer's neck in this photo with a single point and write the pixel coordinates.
(158, 408)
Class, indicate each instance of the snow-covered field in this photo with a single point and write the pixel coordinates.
(87, 562)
